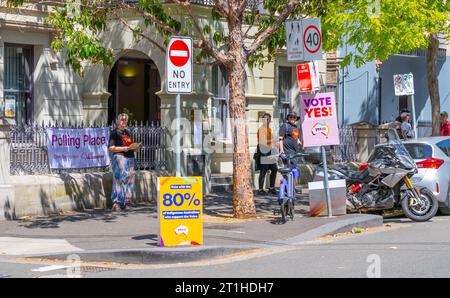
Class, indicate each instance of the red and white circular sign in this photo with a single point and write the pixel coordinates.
(179, 53)
(312, 39)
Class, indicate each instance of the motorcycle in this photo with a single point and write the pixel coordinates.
(384, 182)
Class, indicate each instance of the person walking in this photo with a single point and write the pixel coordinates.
(265, 149)
(445, 125)
(407, 131)
(123, 163)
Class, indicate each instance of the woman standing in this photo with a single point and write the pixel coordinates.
(123, 163)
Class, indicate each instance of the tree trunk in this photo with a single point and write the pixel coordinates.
(243, 204)
(433, 83)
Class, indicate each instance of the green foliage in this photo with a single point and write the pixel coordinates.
(376, 32)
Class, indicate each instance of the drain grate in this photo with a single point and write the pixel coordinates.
(95, 269)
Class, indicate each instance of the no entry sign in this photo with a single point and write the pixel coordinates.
(179, 65)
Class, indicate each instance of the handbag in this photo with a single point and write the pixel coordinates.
(257, 158)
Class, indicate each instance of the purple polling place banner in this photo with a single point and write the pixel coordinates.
(319, 119)
(78, 148)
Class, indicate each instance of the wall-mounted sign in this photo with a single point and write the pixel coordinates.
(10, 106)
(78, 148)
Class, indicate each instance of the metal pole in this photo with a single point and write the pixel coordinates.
(413, 112)
(178, 130)
(325, 182)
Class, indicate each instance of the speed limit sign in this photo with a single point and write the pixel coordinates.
(312, 39)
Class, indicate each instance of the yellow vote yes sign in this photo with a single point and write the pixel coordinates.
(180, 211)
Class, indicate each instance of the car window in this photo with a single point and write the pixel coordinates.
(444, 146)
(419, 151)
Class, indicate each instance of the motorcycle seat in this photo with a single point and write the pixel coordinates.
(355, 176)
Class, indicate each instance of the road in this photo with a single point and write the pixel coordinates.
(399, 249)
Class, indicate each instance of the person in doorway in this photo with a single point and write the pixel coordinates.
(445, 125)
(289, 138)
(266, 149)
(123, 163)
(407, 131)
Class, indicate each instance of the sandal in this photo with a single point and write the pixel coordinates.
(115, 207)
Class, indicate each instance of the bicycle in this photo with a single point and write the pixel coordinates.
(286, 196)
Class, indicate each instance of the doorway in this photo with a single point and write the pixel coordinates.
(133, 83)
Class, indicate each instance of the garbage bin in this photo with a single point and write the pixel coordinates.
(318, 201)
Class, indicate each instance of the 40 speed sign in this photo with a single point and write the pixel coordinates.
(180, 211)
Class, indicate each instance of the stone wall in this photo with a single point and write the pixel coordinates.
(42, 195)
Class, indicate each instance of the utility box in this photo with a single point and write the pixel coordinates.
(318, 202)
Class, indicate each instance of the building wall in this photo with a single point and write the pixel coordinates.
(358, 87)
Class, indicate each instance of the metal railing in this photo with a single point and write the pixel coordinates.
(29, 153)
(347, 151)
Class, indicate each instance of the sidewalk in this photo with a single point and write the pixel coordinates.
(131, 236)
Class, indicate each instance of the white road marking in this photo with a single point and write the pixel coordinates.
(22, 246)
(50, 268)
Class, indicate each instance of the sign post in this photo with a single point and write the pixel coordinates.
(404, 86)
(179, 81)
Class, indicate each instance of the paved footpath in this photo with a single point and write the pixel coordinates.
(131, 236)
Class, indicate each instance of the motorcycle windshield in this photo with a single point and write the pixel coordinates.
(400, 150)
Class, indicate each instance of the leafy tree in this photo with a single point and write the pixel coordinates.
(379, 28)
(254, 34)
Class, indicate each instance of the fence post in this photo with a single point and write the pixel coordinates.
(6, 189)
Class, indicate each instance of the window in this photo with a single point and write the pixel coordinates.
(220, 104)
(419, 151)
(18, 75)
(284, 90)
(445, 147)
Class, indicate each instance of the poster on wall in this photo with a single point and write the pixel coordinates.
(319, 119)
(78, 148)
(10, 106)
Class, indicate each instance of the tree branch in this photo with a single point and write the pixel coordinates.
(262, 36)
(205, 43)
(123, 21)
(221, 8)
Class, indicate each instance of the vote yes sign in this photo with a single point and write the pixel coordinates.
(319, 119)
(179, 65)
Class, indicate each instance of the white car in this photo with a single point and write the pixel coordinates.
(432, 156)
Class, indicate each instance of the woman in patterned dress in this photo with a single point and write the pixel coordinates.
(123, 163)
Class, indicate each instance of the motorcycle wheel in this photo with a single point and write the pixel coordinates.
(424, 212)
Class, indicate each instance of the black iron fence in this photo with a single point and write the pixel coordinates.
(29, 153)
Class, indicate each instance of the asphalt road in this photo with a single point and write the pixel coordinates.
(403, 249)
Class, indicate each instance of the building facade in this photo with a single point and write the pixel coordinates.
(366, 95)
(43, 89)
